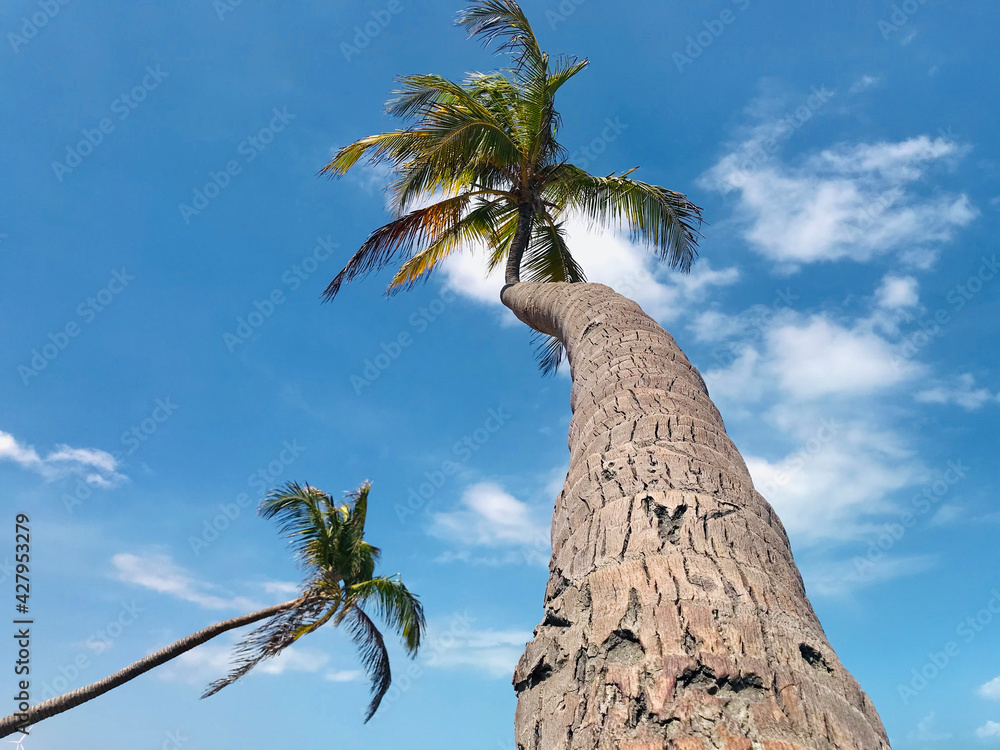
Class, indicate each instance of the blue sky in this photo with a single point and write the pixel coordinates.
(164, 240)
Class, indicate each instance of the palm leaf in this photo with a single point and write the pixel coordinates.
(397, 606)
(374, 657)
(273, 637)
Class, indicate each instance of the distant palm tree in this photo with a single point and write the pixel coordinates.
(485, 151)
(675, 615)
(328, 540)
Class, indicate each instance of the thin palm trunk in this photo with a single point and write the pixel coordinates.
(675, 615)
(20, 722)
(522, 237)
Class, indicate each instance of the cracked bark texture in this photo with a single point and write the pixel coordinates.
(675, 616)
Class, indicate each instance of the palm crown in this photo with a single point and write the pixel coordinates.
(328, 540)
(485, 152)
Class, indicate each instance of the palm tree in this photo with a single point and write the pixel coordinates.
(675, 615)
(328, 540)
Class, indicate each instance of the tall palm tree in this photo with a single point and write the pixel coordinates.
(328, 540)
(675, 615)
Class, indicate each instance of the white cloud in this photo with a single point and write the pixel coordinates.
(946, 515)
(817, 386)
(898, 292)
(817, 357)
(494, 652)
(492, 517)
(160, 574)
(988, 731)
(864, 83)
(962, 393)
(295, 659)
(282, 588)
(344, 675)
(925, 731)
(851, 201)
(96, 467)
(607, 258)
(839, 475)
(991, 690)
(837, 579)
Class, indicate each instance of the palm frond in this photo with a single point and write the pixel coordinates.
(374, 657)
(503, 21)
(548, 257)
(396, 605)
(663, 219)
(300, 511)
(272, 637)
(549, 352)
(481, 226)
(416, 229)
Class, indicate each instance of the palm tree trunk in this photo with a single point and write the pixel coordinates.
(522, 236)
(20, 722)
(674, 614)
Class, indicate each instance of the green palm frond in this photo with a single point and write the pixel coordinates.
(396, 605)
(272, 637)
(481, 226)
(300, 512)
(548, 257)
(416, 229)
(661, 218)
(486, 151)
(503, 21)
(374, 657)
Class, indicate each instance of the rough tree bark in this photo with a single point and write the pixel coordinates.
(675, 616)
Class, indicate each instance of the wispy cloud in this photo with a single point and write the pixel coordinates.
(344, 675)
(961, 392)
(96, 467)
(864, 83)
(492, 517)
(991, 690)
(492, 652)
(925, 731)
(843, 578)
(989, 731)
(851, 201)
(159, 573)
